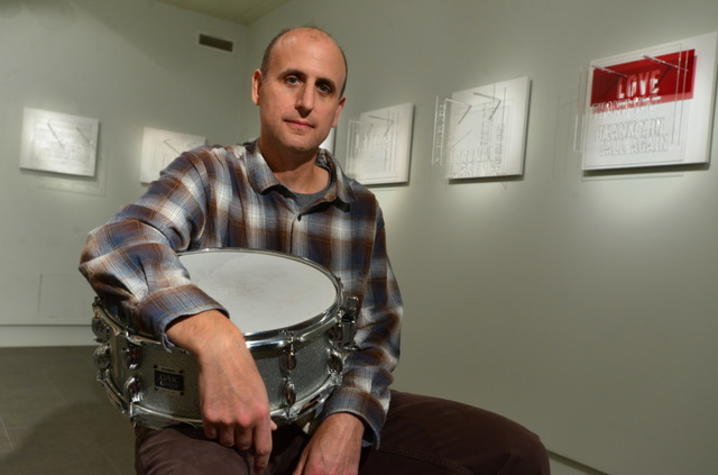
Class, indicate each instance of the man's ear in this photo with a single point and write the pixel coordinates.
(256, 85)
(338, 112)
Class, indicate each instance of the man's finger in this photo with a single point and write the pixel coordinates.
(209, 431)
(226, 436)
(243, 438)
(262, 445)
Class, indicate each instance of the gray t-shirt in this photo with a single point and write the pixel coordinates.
(303, 200)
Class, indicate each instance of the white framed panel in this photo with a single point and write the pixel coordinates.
(160, 147)
(379, 145)
(481, 132)
(650, 107)
(59, 143)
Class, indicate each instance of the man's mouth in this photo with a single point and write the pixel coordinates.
(299, 124)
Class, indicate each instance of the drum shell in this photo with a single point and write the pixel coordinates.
(300, 365)
(167, 380)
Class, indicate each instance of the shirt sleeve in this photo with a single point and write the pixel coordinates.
(131, 261)
(368, 370)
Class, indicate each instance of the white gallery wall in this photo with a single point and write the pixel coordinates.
(131, 64)
(582, 305)
(579, 304)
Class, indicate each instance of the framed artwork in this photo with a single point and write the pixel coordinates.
(161, 147)
(650, 107)
(59, 143)
(481, 132)
(379, 145)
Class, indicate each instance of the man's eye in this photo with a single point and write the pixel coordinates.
(292, 80)
(325, 88)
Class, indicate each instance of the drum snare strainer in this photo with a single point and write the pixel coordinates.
(291, 312)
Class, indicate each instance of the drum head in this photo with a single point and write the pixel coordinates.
(263, 291)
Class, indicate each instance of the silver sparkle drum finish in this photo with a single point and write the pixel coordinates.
(291, 312)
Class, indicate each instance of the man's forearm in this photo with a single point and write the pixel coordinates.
(202, 333)
(233, 398)
(335, 447)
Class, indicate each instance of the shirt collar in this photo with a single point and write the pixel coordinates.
(262, 179)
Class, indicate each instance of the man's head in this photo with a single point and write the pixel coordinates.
(299, 90)
(268, 51)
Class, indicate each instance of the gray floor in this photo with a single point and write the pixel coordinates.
(55, 419)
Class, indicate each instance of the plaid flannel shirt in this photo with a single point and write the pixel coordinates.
(215, 197)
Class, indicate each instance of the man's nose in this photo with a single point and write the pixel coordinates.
(305, 100)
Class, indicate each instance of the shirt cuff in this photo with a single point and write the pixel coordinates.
(364, 406)
(163, 307)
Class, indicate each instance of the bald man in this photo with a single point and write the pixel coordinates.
(309, 208)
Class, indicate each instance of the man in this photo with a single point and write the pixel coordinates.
(283, 193)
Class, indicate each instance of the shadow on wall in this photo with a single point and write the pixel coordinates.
(135, 21)
(51, 14)
(87, 438)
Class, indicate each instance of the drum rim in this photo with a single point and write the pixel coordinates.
(307, 326)
(272, 338)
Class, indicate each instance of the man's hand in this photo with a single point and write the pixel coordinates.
(335, 448)
(233, 398)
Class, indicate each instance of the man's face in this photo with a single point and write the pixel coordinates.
(299, 97)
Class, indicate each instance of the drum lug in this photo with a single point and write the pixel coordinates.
(289, 361)
(335, 362)
(102, 358)
(133, 355)
(290, 392)
(101, 329)
(345, 329)
(133, 389)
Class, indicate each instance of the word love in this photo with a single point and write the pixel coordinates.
(639, 85)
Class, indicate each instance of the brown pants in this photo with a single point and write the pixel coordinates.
(422, 435)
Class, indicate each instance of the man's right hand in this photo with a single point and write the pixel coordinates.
(233, 398)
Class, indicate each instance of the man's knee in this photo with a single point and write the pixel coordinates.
(464, 435)
(183, 450)
(526, 455)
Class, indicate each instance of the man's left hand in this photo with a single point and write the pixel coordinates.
(335, 448)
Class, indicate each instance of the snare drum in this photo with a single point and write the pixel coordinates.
(291, 312)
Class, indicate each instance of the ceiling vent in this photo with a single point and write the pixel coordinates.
(216, 43)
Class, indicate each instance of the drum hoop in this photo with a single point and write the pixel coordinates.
(300, 331)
